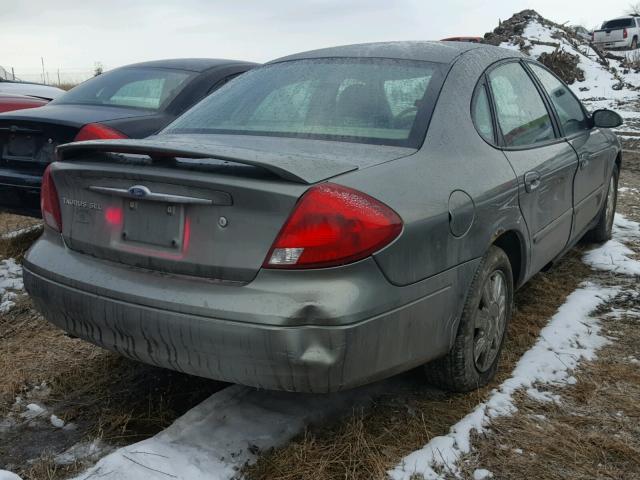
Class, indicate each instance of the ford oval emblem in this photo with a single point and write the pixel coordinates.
(139, 191)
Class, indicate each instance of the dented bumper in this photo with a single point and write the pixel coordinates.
(309, 331)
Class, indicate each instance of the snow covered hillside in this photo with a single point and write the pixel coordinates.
(605, 80)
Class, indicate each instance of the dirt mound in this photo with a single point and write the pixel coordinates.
(564, 64)
(514, 32)
(511, 30)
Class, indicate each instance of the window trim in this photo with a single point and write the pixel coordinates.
(555, 112)
(544, 99)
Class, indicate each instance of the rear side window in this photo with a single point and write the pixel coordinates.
(618, 23)
(522, 115)
(568, 108)
(481, 112)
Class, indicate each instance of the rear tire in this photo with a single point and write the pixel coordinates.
(602, 231)
(473, 360)
(634, 43)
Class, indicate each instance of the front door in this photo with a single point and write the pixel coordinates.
(594, 151)
(544, 164)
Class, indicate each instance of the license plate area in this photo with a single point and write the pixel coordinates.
(153, 223)
(19, 147)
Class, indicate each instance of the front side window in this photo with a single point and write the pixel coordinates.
(522, 115)
(568, 108)
(147, 88)
(376, 101)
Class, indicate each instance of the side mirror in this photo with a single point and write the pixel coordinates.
(606, 119)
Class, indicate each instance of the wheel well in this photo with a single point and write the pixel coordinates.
(619, 161)
(510, 243)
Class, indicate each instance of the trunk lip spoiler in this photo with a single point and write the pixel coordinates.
(301, 168)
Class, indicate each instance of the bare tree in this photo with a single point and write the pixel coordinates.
(634, 9)
(97, 69)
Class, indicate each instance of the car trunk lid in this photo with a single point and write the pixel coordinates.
(28, 138)
(201, 209)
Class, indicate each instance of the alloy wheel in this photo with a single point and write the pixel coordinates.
(490, 321)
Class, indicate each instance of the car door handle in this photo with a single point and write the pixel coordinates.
(585, 158)
(531, 181)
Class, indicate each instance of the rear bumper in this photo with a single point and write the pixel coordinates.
(314, 331)
(617, 44)
(20, 192)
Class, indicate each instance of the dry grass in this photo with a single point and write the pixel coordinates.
(368, 442)
(45, 468)
(10, 222)
(17, 246)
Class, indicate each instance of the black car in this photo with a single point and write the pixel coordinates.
(134, 101)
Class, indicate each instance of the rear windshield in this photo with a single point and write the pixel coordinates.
(146, 88)
(380, 101)
(618, 23)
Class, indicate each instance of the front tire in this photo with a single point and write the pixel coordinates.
(473, 360)
(602, 231)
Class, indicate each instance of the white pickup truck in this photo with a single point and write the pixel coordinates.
(622, 32)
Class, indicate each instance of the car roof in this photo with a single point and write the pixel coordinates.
(428, 51)
(17, 96)
(31, 89)
(191, 64)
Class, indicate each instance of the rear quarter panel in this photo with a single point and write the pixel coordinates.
(453, 157)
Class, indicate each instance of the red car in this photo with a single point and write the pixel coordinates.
(463, 39)
(9, 103)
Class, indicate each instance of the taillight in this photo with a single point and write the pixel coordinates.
(624, 33)
(49, 202)
(97, 131)
(333, 225)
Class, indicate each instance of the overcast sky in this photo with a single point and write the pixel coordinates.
(72, 34)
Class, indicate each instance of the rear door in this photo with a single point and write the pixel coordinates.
(594, 150)
(544, 163)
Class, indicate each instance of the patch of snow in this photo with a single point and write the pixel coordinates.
(518, 451)
(33, 410)
(216, 438)
(10, 283)
(56, 421)
(6, 475)
(20, 231)
(570, 336)
(84, 451)
(543, 397)
(614, 255)
(482, 474)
